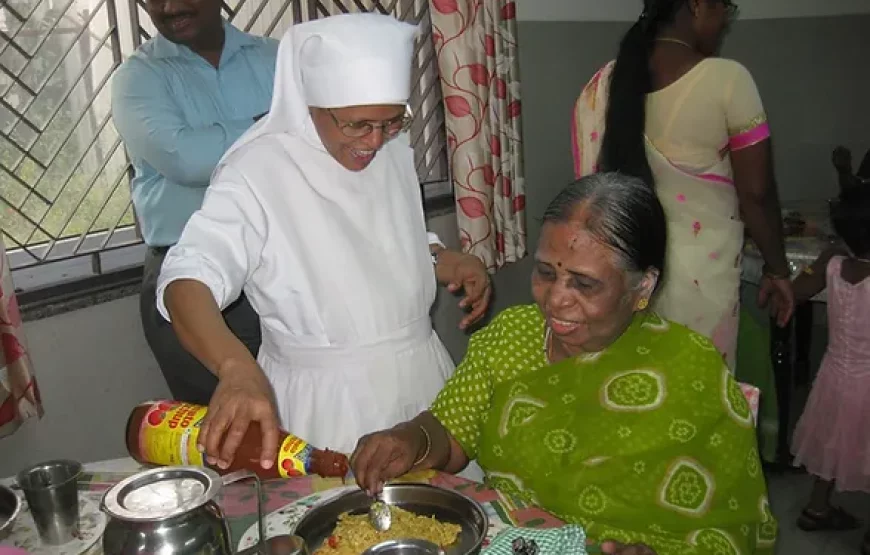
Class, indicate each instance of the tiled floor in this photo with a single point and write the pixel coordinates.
(788, 494)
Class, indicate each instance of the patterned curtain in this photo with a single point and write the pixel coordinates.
(19, 396)
(476, 44)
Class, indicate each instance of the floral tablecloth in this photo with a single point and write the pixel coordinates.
(240, 504)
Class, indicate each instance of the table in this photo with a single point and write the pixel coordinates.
(790, 346)
(240, 505)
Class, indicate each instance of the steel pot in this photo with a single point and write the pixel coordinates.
(171, 511)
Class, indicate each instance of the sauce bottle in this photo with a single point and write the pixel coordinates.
(165, 433)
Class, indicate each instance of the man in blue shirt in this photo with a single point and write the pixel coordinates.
(179, 102)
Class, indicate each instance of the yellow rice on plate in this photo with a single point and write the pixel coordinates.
(353, 534)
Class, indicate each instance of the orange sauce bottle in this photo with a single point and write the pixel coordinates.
(165, 433)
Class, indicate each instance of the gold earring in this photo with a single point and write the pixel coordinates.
(642, 304)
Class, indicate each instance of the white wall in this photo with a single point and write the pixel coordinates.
(629, 10)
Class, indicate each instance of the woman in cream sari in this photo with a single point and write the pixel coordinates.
(693, 125)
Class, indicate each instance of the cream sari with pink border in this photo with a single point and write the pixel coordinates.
(705, 233)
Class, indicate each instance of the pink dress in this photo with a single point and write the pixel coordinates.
(832, 439)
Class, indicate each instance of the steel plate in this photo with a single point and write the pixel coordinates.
(422, 499)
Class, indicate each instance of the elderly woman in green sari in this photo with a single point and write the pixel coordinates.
(591, 406)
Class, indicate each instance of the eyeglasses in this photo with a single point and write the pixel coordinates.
(359, 129)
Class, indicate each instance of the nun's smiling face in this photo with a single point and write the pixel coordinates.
(354, 135)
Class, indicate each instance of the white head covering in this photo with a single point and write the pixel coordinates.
(345, 60)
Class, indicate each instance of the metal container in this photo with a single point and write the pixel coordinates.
(404, 547)
(52, 494)
(171, 511)
(10, 507)
(423, 499)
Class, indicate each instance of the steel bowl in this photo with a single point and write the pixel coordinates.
(10, 506)
(404, 547)
(423, 499)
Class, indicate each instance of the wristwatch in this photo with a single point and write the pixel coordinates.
(434, 255)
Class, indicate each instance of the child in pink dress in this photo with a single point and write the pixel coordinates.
(832, 439)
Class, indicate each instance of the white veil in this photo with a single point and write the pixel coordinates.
(344, 60)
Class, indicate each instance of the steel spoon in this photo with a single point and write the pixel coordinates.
(380, 516)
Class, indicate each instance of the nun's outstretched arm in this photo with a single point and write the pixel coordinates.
(243, 394)
(203, 274)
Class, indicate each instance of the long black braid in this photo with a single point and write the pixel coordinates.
(623, 148)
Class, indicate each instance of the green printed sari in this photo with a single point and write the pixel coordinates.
(648, 441)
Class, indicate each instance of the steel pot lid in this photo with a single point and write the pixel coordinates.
(161, 493)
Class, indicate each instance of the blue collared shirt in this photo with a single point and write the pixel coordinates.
(178, 114)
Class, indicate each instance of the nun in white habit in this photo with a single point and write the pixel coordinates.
(316, 214)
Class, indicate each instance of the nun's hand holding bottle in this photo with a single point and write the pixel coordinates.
(243, 396)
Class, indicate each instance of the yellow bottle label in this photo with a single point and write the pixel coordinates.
(294, 457)
(169, 432)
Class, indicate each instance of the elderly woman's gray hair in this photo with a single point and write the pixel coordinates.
(625, 214)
